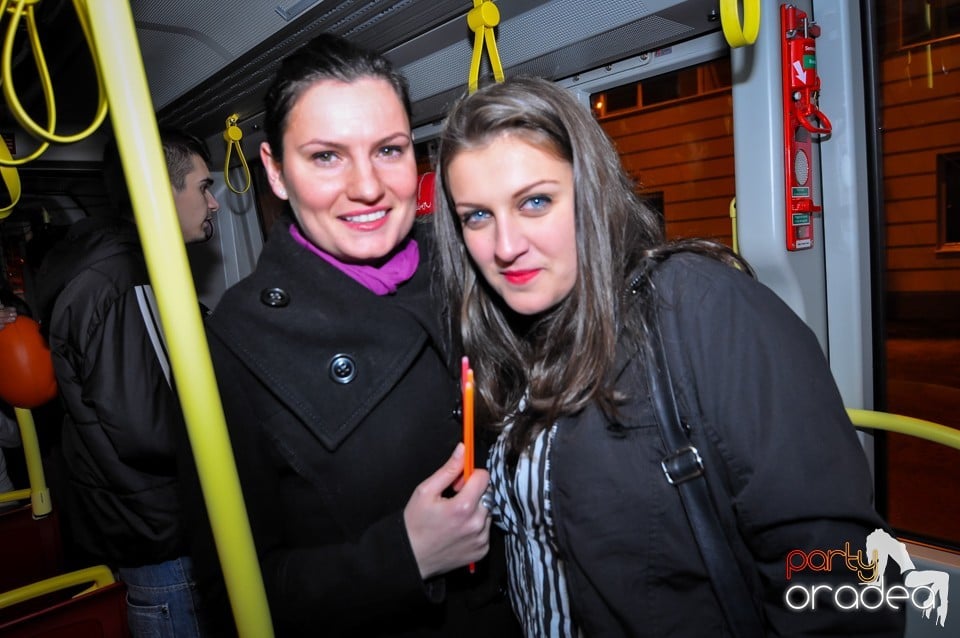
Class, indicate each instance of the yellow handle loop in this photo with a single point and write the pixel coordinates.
(738, 33)
(905, 425)
(11, 179)
(6, 72)
(482, 19)
(232, 136)
(16, 108)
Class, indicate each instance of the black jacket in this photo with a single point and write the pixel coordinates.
(120, 501)
(784, 461)
(339, 403)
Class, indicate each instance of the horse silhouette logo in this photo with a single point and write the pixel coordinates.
(883, 547)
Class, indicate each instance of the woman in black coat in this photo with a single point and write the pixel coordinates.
(338, 382)
(562, 279)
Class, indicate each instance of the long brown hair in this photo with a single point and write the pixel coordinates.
(558, 361)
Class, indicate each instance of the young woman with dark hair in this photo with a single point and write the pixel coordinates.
(560, 277)
(338, 380)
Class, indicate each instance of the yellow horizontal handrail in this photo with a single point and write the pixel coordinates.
(905, 425)
(16, 495)
(99, 576)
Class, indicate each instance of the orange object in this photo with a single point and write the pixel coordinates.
(466, 383)
(26, 367)
(466, 394)
(468, 460)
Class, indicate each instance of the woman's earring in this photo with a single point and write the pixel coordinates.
(282, 193)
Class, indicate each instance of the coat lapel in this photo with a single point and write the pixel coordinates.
(315, 324)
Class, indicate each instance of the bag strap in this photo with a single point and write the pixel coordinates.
(683, 467)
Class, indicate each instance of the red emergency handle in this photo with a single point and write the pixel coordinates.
(801, 72)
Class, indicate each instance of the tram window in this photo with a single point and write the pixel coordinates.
(677, 85)
(680, 152)
(715, 75)
(922, 22)
(948, 200)
(921, 197)
(621, 98)
(669, 86)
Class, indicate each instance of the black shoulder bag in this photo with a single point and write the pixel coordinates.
(683, 467)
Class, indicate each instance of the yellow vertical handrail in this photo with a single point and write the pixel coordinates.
(138, 141)
(39, 492)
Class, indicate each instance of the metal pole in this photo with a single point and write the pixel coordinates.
(138, 139)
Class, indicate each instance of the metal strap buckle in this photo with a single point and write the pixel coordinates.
(682, 465)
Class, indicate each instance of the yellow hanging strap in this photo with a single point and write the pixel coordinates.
(232, 135)
(24, 10)
(6, 71)
(482, 19)
(8, 170)
(46, 135)
(739, 33)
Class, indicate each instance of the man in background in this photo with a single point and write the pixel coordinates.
(120, 500)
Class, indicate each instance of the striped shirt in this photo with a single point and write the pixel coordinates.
(538, 586)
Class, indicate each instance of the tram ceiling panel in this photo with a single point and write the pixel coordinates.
(203, 58)
(206, 59)
(552, 40)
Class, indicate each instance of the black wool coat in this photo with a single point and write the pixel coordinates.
(339, 403)
(783, 463)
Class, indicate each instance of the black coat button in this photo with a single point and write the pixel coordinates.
(274, 297)
(342, 368)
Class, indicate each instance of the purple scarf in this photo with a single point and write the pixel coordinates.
(380, 280)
